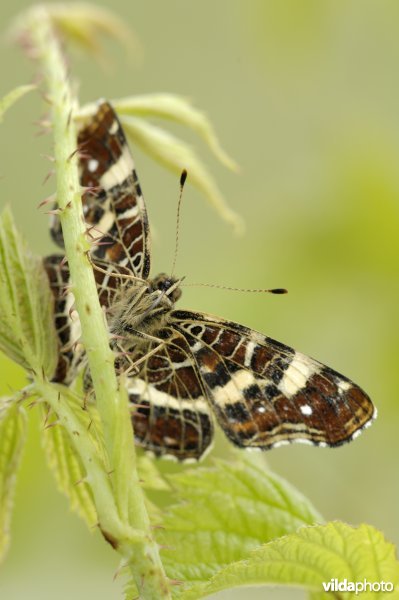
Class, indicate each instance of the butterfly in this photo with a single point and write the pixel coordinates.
(185, 370)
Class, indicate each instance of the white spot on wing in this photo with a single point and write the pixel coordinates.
(130, 213)
(119, 171)
(306, 410)
(344, 386)
(249, 350)
(297, 374)
(92, 165)
(233, 390)
(197, 346)
(114, 127)
(106, 222)
(158, 398)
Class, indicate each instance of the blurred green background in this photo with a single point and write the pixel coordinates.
(305, 96)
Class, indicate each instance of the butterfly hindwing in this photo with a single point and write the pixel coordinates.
(264, 393)
(68, 329)
(67, 322)
(170, 412)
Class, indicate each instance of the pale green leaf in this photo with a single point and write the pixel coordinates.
(224, 513)
(12, 438)
(64, 461)
(311, 557)
(178, 109)
(176, 155)
(10, 98)
(150, 477)
(83, 24)
(151, 480)
(27, 333)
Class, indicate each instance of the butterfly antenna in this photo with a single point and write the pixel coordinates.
(234, 289)
(183, 178)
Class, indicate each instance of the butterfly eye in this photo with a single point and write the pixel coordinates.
(165, 285)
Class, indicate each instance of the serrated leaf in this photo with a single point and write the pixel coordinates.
(311, 557)
(65, 463)
(12, 438)
(224, 513)
(9, 99)
(27, 333)
(176, 155)
(178, 109)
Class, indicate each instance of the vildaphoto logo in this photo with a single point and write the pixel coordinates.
(335, 585)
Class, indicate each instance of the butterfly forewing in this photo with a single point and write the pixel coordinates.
(264, 393)
(113, 204)
(116, 219)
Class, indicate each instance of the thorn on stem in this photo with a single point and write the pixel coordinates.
(46, 97)
(56, 211)
(72, 154)
(47, 177)
(50, 425)
(48, 157)
(47, 200)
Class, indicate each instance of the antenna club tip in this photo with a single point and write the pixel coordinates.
(279, 291)
(183, 177)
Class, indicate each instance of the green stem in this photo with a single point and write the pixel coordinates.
(116, 490)
(57, 397)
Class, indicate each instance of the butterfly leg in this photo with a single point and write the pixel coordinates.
(144, 336)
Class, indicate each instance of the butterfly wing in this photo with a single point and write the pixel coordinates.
(264, 393)
(113, 204)
(68, 330)
(67, 322)
(170, 413)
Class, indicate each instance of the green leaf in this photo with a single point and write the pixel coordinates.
(10, 98)
(83, 25)
(176, 155)
(64, 461)
(178, 109)
(12, 438)
(224, 513)
(150, 477)
(130, 591)
(27, 333)
(311, 557)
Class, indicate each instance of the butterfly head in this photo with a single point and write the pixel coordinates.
(169, 286)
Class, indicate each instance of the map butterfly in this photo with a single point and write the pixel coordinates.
(186, 370)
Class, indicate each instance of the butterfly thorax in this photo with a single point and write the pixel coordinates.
(142, 309)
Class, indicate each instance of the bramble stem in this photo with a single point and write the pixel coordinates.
(119, 499)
